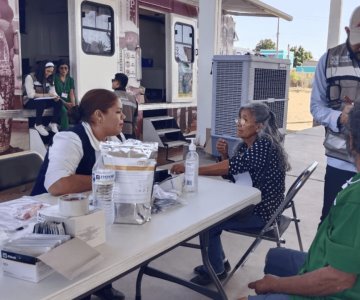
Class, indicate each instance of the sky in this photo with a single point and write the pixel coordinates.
(309, 27)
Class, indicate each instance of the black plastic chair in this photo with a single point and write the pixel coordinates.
(277, 225)
(18, 172)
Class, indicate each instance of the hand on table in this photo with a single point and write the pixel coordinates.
(177, 169)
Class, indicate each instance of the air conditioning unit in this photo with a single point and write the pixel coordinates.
(242, 79)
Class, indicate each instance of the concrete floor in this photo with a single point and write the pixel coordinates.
(303, 148)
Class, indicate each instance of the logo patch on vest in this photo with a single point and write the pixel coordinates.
(334, 60)
(345, 59)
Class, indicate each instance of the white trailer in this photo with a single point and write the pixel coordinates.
(155, 42)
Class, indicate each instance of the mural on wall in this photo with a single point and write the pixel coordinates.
(8, 49)
(228, 35)
(129, 41)
(184, 41)
(185, 80)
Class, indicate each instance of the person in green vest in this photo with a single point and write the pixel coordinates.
(65, 88)
(331, 268)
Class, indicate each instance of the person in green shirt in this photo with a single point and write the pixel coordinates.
(65, 88)
(331, 267)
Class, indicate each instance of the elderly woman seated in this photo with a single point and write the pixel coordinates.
(261, 156)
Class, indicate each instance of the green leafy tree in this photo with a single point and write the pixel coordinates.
(265, 44)
(300, 55)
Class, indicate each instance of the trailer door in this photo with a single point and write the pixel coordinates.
(181, 67)
(92, 43)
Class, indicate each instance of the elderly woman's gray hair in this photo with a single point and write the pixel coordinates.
(264, 116)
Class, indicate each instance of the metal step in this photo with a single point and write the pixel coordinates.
(172, 144)
(160, 118)
(161, 132)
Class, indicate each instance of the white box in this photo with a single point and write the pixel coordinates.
(33, 271)
(89, 228)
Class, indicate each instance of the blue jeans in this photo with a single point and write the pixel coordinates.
(281, 262)
(241, 221)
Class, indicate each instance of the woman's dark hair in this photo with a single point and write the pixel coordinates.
(354, 128)
(62, 62)
(40, 73)
(93, 100)
(263, 115)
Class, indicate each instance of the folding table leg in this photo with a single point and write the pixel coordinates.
(138, 281)
(204, 246)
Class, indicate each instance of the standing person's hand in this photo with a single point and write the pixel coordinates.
(223, 148)
(349, 104)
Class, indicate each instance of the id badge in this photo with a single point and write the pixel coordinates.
(64, 95)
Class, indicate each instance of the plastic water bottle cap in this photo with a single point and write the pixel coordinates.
(192, 146)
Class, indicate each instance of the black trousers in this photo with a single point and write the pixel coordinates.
(40, 105)
(334, 179)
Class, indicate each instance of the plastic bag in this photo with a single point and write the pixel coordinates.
(134, 163)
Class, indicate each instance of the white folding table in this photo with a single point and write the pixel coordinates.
(131, 246)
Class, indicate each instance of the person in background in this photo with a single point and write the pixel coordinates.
(331, 268)
(40, 94)
(335, 88)
(99, 118)
(130, 105)
(65, 88)
(260, 160)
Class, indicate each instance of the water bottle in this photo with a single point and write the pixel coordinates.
(191, 169)
(102, 187)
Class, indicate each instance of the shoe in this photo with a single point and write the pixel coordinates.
(41, 129)
(204, 278)
(201, 268)
(107, 293)
(54, 127)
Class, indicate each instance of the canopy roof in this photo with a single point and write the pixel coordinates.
(247, 8)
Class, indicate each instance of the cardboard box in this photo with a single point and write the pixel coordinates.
(70, 259)
(24, 267)
(89, 228)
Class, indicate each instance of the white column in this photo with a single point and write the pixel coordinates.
(334, 23)
(209, 29)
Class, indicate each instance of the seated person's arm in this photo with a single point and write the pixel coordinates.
(72, 97)
(64, 157)
(29, 87)
(322, 282)
(71, 184)
(223, 148)
(218, 169)
(52, 93)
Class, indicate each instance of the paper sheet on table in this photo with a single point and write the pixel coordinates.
(71, 258)
(243, 179)
(44, 98)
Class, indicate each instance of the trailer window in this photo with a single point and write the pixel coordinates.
(97, 28)
(184, 43)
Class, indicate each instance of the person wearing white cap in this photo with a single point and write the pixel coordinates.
(40, 94)
(335, 89)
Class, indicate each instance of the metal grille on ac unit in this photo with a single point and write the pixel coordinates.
(240, 79)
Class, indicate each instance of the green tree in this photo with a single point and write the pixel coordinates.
(265, 44)
(300, 55)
